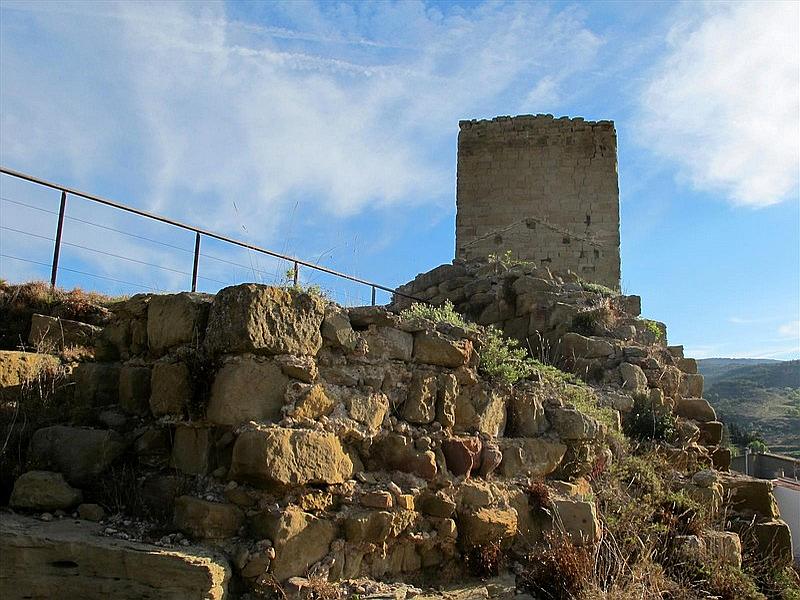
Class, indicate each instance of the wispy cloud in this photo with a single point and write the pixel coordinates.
(724, 103)
(790, 329)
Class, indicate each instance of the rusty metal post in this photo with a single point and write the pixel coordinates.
(196, 260)
(296, 273)
(59, 231)
(373, 295)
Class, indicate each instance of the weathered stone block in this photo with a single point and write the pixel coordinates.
(303, 368)
(710, 433)
(578, 519)
(487, 525)
(420, 404)
(633, 377)
(54, 333)
(44, 490)
(310, 401)
(433, 348)
(247, 388)
(751, 496)
(80, 453)
(687, 365)
(525, 414)
(134, 389)
(97, 384)
(336, 328)
(574, 345)
(69, 559)
(289, 457)
(176, 319)
(691, 385)
(207, 520)
(572, 424)
(264, 320)
(395, 452)
(170, 388)
(300, 540)
(462, 455)
(481, 409)
(191, 450)
(534, 457)
(697, 409)
(388, 343)
(368, 408)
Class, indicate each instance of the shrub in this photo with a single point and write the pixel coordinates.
(560, 571)
(539, 495)
(645, 423)
(445, 313)
(485, 560)
(654, 328)
(502, 358)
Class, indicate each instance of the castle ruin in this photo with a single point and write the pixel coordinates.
(544, 189)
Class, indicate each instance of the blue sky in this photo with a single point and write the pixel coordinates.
(328, 130)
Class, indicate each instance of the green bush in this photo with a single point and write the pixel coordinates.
(655, 328)
(645, 423)
(445, 313)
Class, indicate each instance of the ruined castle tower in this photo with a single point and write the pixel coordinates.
(543, 188)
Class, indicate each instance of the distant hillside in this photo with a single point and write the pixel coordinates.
(760, 395)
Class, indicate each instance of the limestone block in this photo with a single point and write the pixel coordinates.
(462, 455)
(336, 328)
(97, 384)
(436, 505)
(491, 457)
(80, 453)
(363, 316)
(721, 458)
(54, 333)
(377, 499)
(134, 389)
(667, 379)
(578, 519)
(420, 404)
(207, 520)
(572, 424)
(303, 368)
(687, 365)
(395, 452)
(697, 409)
(481, 409)
(432, 348)
(388, 343)
(710, 433)
(368, 408)
(299, 539)
(264, 320)
(691, 385)
(176, 319)
(723, 546)
(751, 496)
(368, 526)
(574, 345)
(44, 490)
(152, 447)
(191, 450)
(633, 377)
(289, 457)
(247, 388)
(447, 386)
(534, 457)
(170, 388)
(18, 369)
(69, 559)
(774, 541)
(310, 401)
(532, 285)
(487, 525)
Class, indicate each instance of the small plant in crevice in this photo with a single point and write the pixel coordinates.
(539, 497)
(655, 328)
(645, 423)
(485, 560)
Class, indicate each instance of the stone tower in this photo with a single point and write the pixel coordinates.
(543, 188)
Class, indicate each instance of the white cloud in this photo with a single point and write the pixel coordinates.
(790, 329)
(214, 108)
(725, 102)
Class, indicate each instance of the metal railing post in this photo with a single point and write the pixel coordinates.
(296, 273)
(373, 295)
(196, 260)
(59, 231)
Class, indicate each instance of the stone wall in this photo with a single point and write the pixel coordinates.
(544, 189)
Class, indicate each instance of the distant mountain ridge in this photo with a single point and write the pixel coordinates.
(757, 394)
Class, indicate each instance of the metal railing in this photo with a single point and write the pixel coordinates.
(199, 235)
